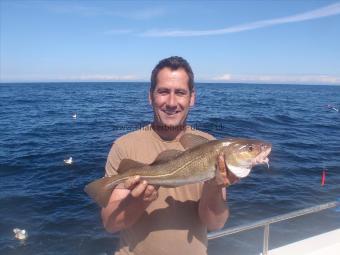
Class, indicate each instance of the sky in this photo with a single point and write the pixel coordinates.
(288, 41)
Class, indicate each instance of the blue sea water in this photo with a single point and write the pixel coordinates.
(42, 195)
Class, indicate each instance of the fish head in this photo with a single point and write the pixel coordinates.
(242, 154)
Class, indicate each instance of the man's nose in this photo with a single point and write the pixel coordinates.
(172, 101)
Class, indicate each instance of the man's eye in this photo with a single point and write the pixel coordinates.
(250, 148)
(162, 92)
(181, 93)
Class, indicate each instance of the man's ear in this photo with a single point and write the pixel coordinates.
(192, 98)
(150, 98)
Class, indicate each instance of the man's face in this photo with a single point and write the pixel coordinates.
(171, 98)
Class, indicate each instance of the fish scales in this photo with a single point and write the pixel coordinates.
(191, 165)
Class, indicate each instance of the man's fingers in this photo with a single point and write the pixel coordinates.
(224, 176)
(152, 197)
(131, 182)
(222, 173)
(150, 193)
(149, 190)
(221, 164)
(139, 189)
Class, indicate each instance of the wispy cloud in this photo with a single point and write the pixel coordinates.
(102, 77)
(326, 11)
(87, 10)
(284, 79)
(62, 78)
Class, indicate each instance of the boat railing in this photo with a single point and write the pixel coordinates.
(266, 222)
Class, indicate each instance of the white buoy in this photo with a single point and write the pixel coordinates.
(20, 234)
(68, 161)
(74, 116)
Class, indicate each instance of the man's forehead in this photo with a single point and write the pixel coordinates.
(169, 72)
(172, 87)
(172, 79)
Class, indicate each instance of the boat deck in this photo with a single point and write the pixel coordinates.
(324, 244)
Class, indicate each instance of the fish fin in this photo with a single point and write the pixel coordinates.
(190, 140)
(166, 156)
(100, 190)
(126, 164)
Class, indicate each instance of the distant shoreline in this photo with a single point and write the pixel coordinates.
(147, 83)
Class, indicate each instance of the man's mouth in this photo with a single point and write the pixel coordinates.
(170, 113)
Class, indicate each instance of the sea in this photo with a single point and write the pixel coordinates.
(44, 196)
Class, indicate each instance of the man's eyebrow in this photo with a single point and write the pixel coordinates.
(162, 88)
(175, 89)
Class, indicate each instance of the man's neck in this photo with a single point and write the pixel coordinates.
(168, 133)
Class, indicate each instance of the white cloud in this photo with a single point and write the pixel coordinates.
(88, 10)
(103, 77)
(60, 78)
(223, 77)
(288, 79)
(326, 11)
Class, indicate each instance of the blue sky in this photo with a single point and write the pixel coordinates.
(225, 41)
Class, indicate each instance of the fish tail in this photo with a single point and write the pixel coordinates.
(100, 190)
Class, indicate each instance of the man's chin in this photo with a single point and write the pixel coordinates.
(171, 125)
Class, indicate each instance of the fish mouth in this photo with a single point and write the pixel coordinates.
(262, 158)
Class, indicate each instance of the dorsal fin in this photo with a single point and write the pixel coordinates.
(166, 156)
(126, 164)
(190, 140)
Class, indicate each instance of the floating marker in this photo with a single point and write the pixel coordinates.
(323, 178)
(74, 116)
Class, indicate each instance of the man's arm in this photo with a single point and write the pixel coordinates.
(212, 209)
(127, 205)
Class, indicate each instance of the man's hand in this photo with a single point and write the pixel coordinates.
(127, 204)
(141, 189)
(224, 177)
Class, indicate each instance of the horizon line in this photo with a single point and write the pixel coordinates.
(196, 82)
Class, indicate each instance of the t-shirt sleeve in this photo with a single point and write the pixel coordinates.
(116, 154)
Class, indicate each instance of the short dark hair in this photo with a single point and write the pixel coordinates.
(173, 63)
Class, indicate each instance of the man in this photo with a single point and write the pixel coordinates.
(158, 220)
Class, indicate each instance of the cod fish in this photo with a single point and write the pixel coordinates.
(196, 164)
